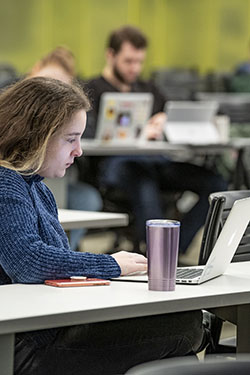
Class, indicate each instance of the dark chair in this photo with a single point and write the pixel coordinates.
(8, 75)
(190, 366)
(238, 112)
(217, 82)
(178, 84)
(220, 206)
(114, 200)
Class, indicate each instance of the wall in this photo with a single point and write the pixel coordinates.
(207, 34)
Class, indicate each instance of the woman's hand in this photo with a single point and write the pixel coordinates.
(130, 262)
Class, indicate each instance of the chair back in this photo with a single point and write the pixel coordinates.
(8, 75)
(178, 84)
(220, 206)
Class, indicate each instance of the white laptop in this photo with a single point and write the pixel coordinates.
(122, 116)
(222, 253)
(191, 122)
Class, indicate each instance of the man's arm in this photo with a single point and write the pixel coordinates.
(154, 127)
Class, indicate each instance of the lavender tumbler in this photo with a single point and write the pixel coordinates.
(162, 253)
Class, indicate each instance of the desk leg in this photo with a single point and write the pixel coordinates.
(243, 329)
(7, 354)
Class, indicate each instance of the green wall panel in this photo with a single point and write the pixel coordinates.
(207, 34)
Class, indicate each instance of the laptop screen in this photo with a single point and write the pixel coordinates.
(123, 115)
(191, 111)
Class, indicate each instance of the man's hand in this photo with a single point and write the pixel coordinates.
(130, 262)
(154, 127)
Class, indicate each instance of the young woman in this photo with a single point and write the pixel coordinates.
(41, 123)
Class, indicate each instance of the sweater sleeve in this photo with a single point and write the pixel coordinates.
(27, 258)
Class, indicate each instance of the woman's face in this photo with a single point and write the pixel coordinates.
(63, 147)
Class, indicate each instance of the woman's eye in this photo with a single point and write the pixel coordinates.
(71, 140)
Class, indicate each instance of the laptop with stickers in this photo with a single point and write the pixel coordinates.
(122, 116)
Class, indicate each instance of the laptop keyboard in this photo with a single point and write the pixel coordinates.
(188, 273)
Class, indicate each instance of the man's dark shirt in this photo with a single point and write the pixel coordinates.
(97, 86)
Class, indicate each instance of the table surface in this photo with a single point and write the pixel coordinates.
(101, 148)
(72, 219)
(97, 147)
(29, 307)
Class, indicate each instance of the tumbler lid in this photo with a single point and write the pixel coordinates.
(162, 223)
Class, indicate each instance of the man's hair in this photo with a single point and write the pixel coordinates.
(31, 111)
(126, 34)
(60, 56)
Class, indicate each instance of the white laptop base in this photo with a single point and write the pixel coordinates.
(191, 123)
(190, 133)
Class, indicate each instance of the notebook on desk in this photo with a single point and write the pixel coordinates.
(191, 123)
(122, 116)
(222, 253)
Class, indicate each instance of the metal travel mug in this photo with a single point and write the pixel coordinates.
(162, 253)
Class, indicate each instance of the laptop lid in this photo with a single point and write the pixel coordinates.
(191, 122)
(122, 116)
(228, 240)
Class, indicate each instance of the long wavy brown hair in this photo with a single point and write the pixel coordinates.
(31, 111)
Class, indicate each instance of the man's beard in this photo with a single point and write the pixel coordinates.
(118, 75)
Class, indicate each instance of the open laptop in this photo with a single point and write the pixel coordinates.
(191, 122)
(122, 116)
(222, 253)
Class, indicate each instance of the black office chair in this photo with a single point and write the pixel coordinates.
(178, 84)
(8, 75)
(220, 206)
(190, 366)
(114, 200)
(217, 81)
(238, 112)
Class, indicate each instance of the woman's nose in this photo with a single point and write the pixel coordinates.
(78, 149)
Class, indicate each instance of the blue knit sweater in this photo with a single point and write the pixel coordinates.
(33, 245)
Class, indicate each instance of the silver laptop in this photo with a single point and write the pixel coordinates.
(222, 253)
(122, 116)
(191, 122)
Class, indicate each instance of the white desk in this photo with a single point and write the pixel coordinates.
(224, 97)
(73, 219)
(30, 307)
(101, 148)
(97, 148)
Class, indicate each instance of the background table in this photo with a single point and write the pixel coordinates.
(179, 152)
(73, 219)
(100, 148)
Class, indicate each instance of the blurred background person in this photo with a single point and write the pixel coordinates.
(144, 178)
